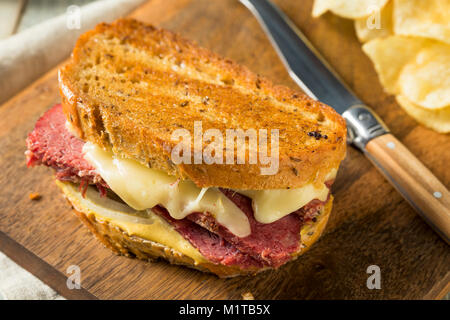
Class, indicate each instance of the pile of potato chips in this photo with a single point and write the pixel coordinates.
(409, 44)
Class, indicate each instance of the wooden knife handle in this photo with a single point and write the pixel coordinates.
(413, 180)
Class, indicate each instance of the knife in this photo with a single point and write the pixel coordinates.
(366, 131)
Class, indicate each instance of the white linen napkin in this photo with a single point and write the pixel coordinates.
(29, 54)
(18, 284)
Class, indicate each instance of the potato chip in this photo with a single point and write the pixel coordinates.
(423, 18)
(438, 120)
(426, 79)
(352, 9)
(390, 55)
(377, 25)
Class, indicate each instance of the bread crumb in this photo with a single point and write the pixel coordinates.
(248, 296)
(34, 196)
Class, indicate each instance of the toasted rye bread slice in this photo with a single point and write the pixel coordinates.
(129, 85)
(130, 245)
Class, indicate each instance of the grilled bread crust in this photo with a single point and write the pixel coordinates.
(128, 86)
(116, 239)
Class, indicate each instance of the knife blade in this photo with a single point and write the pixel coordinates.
(366, 131)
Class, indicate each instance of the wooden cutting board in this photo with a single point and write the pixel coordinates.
(370, 224)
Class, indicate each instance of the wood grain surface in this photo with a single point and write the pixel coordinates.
(370, 224)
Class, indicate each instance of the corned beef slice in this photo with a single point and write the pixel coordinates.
(272, 243)
(212, 246)
(51, 144)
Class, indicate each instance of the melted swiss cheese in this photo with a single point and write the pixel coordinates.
(142, 188)
(273, 204)
(143, 224)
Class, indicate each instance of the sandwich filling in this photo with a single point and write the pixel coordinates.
(246, 228)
